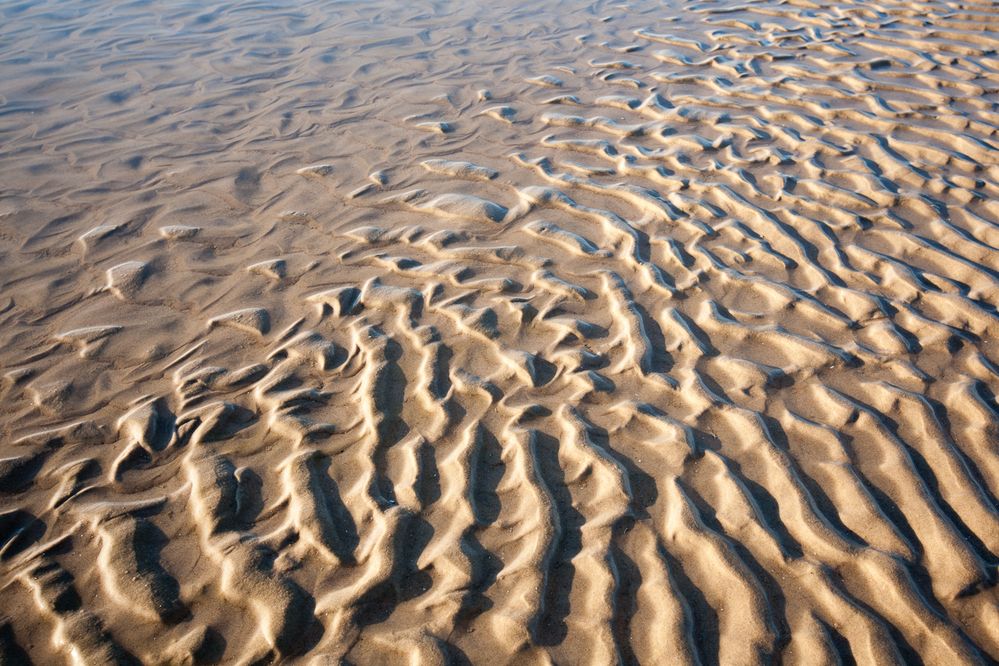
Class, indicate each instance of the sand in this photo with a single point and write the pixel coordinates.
(496, 333)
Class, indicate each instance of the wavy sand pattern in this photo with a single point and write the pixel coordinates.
(495, 333)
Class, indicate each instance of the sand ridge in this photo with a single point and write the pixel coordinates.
(454, 333)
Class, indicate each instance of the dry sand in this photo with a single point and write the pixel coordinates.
(446, 332)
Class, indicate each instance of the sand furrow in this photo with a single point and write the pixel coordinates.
(499, 332)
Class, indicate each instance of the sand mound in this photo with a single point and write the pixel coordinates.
(499, 333)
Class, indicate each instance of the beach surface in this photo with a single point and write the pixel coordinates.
(499, 332)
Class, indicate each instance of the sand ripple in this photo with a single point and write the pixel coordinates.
(499, 333)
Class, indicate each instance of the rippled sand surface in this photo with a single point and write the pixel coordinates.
(492, 332)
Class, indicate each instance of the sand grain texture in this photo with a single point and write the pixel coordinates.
(499, 333)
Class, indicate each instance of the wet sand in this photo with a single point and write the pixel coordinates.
(499, 333)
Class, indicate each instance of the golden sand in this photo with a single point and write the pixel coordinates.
(494, 333)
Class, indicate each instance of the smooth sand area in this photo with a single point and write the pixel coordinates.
(499, 333)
